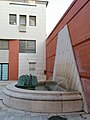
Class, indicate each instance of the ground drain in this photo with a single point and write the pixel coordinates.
(57, 118)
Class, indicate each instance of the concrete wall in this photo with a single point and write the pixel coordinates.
(38, 33)
(77, 18)
(4, 56)
(8, 31)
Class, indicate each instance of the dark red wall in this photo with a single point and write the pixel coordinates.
(50, 56)
(77, 17)
(13, 59)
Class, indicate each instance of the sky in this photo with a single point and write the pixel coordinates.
(54, 11)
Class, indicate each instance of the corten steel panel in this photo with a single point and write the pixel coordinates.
(13, 59)
(86, 88)
(75, 7)
(49, 75)
(51, 48)
(50, 64)
(82, 53)
(79, 26)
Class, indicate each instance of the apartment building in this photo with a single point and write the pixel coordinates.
(22, 38)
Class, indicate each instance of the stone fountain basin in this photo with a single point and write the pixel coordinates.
(42, 101)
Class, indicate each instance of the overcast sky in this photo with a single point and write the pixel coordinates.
(55, 10)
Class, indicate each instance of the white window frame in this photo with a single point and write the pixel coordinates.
(22, 20)
(4, 45)
(32, 66)
(25, 48)
(32, 20)
(12, 19)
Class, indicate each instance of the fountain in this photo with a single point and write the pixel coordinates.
(60, 95)
(45, 96)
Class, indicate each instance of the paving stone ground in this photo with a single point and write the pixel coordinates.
(7, 113)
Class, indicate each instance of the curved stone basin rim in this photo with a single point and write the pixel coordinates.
(11, 90)
(41, 101)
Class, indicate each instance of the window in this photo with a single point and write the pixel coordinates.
(22, 26)
(32, 20)
(12, 19)
(23, 20)
(32, 66)
(4, 45)
(3, 71)
(27, 46)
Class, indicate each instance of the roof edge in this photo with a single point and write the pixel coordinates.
(42, 2)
